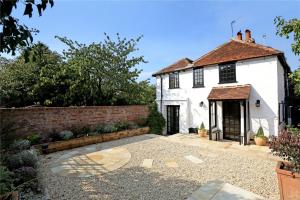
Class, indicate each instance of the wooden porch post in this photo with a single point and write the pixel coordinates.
(245, 123)
(209, 117)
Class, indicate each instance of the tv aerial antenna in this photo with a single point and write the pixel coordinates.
(231, 24)
(264, 36)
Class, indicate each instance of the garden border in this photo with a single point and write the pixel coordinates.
(87, 140)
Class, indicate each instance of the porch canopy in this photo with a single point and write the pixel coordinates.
(239, 93)
(236, 92)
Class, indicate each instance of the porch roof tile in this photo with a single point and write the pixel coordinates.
(230, 92)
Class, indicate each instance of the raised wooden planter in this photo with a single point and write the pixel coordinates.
(87, 140)
(289, 183)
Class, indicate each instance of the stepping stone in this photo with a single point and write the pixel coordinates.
(147, 163)
(90, 149)
(68, 155)
(194, 159)
(171, 164)
(218, 190)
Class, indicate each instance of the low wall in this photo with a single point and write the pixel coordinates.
(46, 120)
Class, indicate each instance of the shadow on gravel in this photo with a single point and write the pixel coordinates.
(133, 183)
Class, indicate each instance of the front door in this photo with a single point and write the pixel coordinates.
(231, 120)
(172, 119)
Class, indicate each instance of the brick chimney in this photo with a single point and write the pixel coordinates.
(239, 36)
(248, 36)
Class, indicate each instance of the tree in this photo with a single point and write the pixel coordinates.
(102, 73)
(25, 83)
(286, 29)
(105, 72)
(14, 35)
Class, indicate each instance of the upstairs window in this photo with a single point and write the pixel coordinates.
(174, 80)
(198, 77)
(227, 73)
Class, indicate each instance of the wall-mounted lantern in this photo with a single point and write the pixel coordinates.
(201, 104)
(257, 103)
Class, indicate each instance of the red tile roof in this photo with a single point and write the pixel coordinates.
(179, 65)
(230, 92)
(235, 50)
(231, 51)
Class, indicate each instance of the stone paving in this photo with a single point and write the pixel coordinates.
(89, 164)
(218, 190)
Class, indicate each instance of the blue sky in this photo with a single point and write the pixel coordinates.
(171, 29)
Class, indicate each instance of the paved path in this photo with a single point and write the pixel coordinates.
(218, 190)
(74, 164)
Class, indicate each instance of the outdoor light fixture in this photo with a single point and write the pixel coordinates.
(257, 103)
(201, 104)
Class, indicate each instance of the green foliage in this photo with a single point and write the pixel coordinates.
(28, 158)
(286, 28)
(295, 78)
(20, 145)
(110, 128)
(155, 120)
(13, 35)
(34, 138)
(202, 127)
(260, 132)
(6, 182)
(65, 135)
(102, 73)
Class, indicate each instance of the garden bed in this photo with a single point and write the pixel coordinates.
(87, 140)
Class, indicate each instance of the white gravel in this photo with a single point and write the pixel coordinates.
(252, 173)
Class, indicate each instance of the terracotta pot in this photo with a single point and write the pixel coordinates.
(260, 141)
(202, 133)
(289, 183)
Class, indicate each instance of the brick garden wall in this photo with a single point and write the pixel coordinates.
(45, 120)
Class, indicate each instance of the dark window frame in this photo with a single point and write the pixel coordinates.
(198, 77)
(227, 73)
(174, 84)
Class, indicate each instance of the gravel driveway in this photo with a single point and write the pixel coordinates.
(172, 175)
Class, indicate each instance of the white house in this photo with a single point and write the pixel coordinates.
(235, 88)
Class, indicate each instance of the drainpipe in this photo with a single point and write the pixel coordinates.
(161, 93)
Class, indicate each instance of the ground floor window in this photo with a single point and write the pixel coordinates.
(213, 111)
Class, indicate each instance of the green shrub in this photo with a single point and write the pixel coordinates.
(260, 132)
(122, 126)
(27, 158)
(142, 122)
(100, 128)
(202, 127)
(155, 121)
(19, 145)
(109, 128)
(132, 125)
(34, 138)
(6, 182)
(65, 135)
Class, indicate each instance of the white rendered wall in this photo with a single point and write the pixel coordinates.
(264, 76)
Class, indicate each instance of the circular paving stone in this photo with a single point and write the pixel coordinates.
(91, 164)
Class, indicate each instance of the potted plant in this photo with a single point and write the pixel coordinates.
(287, 146)
(202, 131)
(260, 138)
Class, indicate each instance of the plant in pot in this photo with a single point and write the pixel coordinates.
(202, 132)
(287, 146)
(260, 138)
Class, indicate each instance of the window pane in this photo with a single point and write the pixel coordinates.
(198, 77)
(227, 73)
